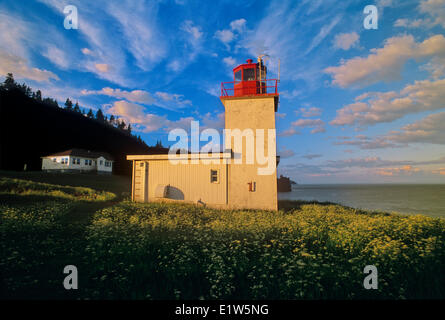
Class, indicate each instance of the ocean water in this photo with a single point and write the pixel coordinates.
(407, 199)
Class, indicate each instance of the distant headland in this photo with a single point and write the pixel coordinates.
(284, 184)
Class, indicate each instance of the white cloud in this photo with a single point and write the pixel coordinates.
(102, 67)
(139, 96)
(228, 35)
(309, 112)
(57, 56)
(285, 153)
(405, 170)
(406, 23)
(436, 10)
(138, 23)
(386, 64)
(192, 38)
(377, 107)
(430, 129)
(434, 15)
(324, 32)
(136, 115)
(21, 70)
(346, 41)
(367, 143)
(289, 132)
(193, 30)
(225, 36)
(135, 35)
(177, 99)
(175, 65)
(165, 100)
(13, 40)
(318, 125)
(238, 25)
(440, 171)
(312, 156)
(87, 51)
(229, 61)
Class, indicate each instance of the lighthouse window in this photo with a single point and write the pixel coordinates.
(249, 74)
(238, 75)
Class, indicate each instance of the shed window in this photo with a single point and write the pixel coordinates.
(214, 176)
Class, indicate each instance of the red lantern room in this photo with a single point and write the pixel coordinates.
(249, 79)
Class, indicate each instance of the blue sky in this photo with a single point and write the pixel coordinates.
(356, 105)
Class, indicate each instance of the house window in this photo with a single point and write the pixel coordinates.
(78, 161)
(214, 176)
(64, 161)
(54, 159)
(74, 160)
(86, 162)
(101, 162)
(89, 162)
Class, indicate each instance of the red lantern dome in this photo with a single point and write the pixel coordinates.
(249, 79)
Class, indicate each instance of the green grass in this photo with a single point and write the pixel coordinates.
(119, 185)
(126, 250)
(10, 186)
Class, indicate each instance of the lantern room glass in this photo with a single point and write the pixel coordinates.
(249, 74)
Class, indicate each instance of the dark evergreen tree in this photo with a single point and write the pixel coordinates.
(100, 116)
(90, 114)
(129, 128)
(9, 82)
(68, 104)
(76, 107)
(112, 120)
(121, 125)
(38, 95)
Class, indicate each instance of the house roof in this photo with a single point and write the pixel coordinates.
(82, 153)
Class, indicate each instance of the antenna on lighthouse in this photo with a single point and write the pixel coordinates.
(260, 61)
(279, 61)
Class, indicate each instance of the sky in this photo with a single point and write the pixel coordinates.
(357, 105)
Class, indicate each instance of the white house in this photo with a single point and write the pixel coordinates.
(78, 160)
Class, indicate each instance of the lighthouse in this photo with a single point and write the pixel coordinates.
(250, 103)
(243, 176)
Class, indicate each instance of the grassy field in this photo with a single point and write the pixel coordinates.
(119, 185)
(125, 250)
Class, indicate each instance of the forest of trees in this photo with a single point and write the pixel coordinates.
(34, 126)
(113, 121)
